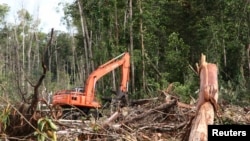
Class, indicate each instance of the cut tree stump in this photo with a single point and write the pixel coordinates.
(207, 102)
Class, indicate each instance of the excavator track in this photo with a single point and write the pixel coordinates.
(74, 113)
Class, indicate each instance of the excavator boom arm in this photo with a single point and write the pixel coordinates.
(122, 60)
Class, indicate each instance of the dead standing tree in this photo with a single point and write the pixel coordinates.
(35, 97)
(207, 102)
(24, 119)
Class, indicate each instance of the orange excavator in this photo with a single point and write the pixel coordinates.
(84, 98)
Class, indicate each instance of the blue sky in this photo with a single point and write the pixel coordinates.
(47, 11)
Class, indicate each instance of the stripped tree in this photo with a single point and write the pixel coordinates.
(207, 102)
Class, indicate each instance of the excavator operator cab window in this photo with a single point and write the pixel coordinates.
(79, 89)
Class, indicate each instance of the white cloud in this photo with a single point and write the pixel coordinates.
(47, 11)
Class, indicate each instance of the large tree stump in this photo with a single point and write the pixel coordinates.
(207, 102)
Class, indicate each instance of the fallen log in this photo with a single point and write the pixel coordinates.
(184, 105)
(111, 118)
(162, 127)
(162, 107)
(204, 117)
(142, 101)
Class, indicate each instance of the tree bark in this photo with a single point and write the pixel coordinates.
(204, 117)
(142, 48)
(35, 97)
(131, 46)
(116, 26)
(23, 23)
(248, 59)
(116, 44)
(17, 65)
(207, 102)
(84, 38)
(31, 38)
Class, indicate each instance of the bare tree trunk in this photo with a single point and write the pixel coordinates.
(35, 97)
(116, 44)
(116, 26)
(224, 48)
(131, 46)
(224, 53)
(29, 56)
(248, 59)
(32, 38)
(142, 49)
(91, 53)
(207, 102)
(114, 80)
(23, 48)
(82, 72)
(35, 60)
(89, 44)
(242, 70)
(37, 51)
(87, 69)
(73, 58)
(23, 68)
(17, 66)
(23, 42)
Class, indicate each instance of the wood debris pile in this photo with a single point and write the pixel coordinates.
(151, 119)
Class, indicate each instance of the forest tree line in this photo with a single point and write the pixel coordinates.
(165, 39)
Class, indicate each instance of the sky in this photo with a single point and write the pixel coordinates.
(47, 11)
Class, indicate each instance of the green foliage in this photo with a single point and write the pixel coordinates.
(3, 12)
(46, 129)
(172, 41)
(234, 94)
(176, 58)
(4, 117)
(183, 91)
(189, 89)
(175, 33)
(8, 88)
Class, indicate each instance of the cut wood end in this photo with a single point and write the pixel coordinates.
(203, 59)
(197, 68)
(202, 63)
(169, 88)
